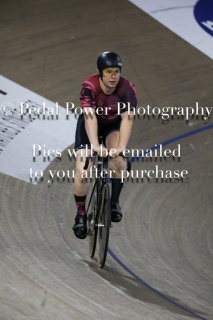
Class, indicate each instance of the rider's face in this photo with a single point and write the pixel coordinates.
(111, 77)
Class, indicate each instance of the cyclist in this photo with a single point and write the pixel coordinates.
(103, 115)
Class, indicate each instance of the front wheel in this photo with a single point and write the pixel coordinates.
(104, 220)
(92, 220)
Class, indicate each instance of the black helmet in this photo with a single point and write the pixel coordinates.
(108, 59)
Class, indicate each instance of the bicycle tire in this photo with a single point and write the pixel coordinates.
(104, 221)
(92, 220)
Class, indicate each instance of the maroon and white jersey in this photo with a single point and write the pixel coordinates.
(108, 111)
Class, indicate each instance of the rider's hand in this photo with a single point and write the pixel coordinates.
(114, 152)
(101, 150)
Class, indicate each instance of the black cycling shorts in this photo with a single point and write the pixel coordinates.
(104, 129)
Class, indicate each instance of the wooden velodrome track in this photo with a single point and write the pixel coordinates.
(161, 259)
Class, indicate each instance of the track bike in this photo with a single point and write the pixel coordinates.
(99, 208)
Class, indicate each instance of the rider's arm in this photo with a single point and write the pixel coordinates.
(125, 132)
(128, 115)
(87, 98)
(91, 126)
(125, 129)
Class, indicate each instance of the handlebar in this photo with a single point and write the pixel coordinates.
(95, 154)
(88, 159)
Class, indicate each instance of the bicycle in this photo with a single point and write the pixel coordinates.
(99, 208)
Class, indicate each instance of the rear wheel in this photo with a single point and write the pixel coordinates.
(104, 220)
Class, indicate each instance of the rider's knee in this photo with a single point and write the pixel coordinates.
(118, 164)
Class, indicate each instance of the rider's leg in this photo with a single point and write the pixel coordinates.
(81, 186)
(80, 183)
(117, 164)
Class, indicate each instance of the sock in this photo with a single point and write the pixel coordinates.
(80, 204)
(117, 186)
